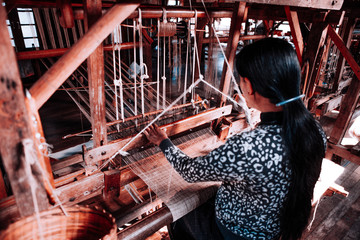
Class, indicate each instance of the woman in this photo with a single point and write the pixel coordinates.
(268, 174)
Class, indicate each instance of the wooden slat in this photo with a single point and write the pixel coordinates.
(295, 31)
(104, 152)
(15, 127)
(95, 66)
(66, 65)
(344, 51)
(239, 16)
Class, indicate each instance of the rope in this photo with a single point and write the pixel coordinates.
(164, 67)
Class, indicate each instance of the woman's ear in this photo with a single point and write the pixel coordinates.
(249, 87)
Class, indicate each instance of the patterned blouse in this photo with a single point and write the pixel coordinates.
(255, 176)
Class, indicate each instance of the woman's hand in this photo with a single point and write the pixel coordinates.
(155, 134)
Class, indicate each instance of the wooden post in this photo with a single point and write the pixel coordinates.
(315, 41)
(14, 129)
(95, 65)
(351, 98)
(199, 40)
(239, 15)
(346, 34)
(295, 31)
(66, 65)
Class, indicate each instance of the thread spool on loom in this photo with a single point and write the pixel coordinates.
(170, 29)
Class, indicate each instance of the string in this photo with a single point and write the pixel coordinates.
(122, 151)
(158, 69)
(242, 101)
(141, 61)
(135, 88)
(164, 67)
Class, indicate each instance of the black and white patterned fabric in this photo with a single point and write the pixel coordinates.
(255, 177)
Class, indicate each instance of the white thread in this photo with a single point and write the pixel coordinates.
(158, 69)
(135, 89)
(146, 127)
(236, 86)
(141, 61)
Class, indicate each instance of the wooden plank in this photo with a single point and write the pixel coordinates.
(15, 128)
(66, 65)
(81, 190)
(40, 146)
(105, 152)
(295, 31)
(344, 51)
(239, 16)
(95, 66)
(112, 183)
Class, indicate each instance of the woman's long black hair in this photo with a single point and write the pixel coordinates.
(273, 69)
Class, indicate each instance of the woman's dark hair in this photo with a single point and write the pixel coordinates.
(273, 69)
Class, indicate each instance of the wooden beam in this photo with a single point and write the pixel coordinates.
(148, 225)
(66, 65)
(239, 16)
(344, 51)
(202, 22)
(49, 53)
(343, 152)
(105, 152)
(322, 4)
(295, 31)
(95, 65)
(14, 129)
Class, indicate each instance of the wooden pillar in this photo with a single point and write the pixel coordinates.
(15, 129)
(202, 22)
(346, 34)
(95, 65)
(315, 42)
(239, 15)
(351, 98)
(295, 31)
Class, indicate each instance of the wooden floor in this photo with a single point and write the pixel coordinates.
(338, 217)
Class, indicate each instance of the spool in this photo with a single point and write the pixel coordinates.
(166, 29)
(81, 223)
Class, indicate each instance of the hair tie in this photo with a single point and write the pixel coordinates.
(290, 100)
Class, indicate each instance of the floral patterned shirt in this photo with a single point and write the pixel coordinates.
(255, 176)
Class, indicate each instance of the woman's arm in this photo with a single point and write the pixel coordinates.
(225, 163)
